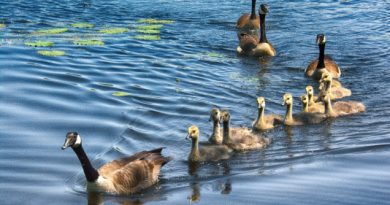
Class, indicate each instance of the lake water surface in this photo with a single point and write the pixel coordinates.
(173, 83)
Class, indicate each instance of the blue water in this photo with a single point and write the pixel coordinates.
(173, 83)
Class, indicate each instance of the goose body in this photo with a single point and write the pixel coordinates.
(246, 44)
(249, 22)
(318, 66)
(241, 138)
(207, 152)
(264, 122)
(123, 176)
(264, 47)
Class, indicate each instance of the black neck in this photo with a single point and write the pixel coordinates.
(253, 13)
(263, 37)
(321, 58)
(90, 173)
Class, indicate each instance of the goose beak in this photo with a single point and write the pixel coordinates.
(283, 103)
(188, 137)
(210, 118)
(66, 144)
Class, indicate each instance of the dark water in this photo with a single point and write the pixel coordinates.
(173, 83)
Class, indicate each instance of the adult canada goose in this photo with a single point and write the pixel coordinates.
(264, 47)
(316, 108)
(241, 138)
(215, 117)
(335, 92)
(246, 44)
(123, 176)
(341, 108)
(249, 22)
(264, 122)
(317, 66)
(207, 152)
(301, 118)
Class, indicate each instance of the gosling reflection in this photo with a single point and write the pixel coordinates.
(195, 192)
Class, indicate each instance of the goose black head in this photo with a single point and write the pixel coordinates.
(72, 139)
(321, 39)
(263, 9)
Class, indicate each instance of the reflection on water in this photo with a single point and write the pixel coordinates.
(173, 83)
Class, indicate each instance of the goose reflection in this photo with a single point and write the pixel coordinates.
(95, 198)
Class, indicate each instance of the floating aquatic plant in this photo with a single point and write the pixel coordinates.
(149, 27)
(82, 25)
(89, 42)
(51, 52)
(50, 31)
(2, 26)
(39, 44)
(149, 31)
(114, 30)
(155, 21)
(148, 37)
(120, 94)
(215, 55)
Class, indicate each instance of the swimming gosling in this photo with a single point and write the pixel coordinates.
(335, 92)
(317, 66)
(341, 108)
(122, 176)
(241, 138)
(207, 152)
(215, 117)
(264, 122)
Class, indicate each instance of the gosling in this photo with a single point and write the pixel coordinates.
(335, 92)
(241, 138)
(215, 117)
(341, 108)
(205, 152)
(264, 122)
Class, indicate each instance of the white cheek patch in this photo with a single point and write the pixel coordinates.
(78, 140)
(324, 39)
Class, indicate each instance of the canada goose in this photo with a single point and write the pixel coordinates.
(241, 138)
(264, 47)
(207, 152)
(248, 22)
(246, 43)
(215, 117)
(316, 108)
(123, 176)
(335, 92)
(341, 108)
(301, 118)
(317, 66)
(264, 122)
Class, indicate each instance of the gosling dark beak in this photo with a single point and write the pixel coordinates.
(188, 137)
(283, 103)
(210, 118)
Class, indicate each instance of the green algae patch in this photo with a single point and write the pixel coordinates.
(50, 31)
(215, 55)
(149, 27)
(113, 30)
(52, 53)
(155, 21)
(82, 25)
(148, 37)
(149, 31)
(89, 42)
(120, 94)
(2, 26)
(39, 44)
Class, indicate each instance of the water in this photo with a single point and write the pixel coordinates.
(173, 83)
